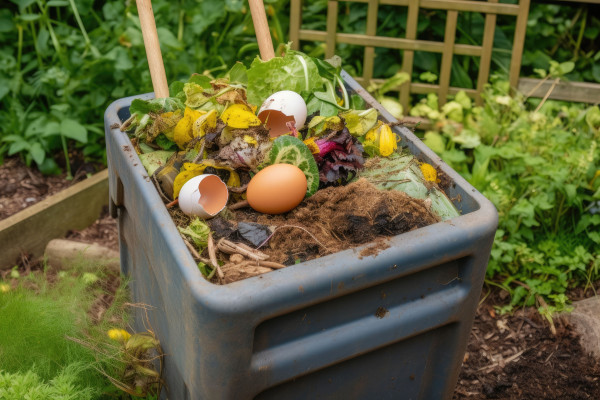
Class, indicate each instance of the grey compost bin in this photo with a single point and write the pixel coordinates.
(390, 326)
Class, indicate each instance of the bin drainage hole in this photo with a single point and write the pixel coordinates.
(381, 312)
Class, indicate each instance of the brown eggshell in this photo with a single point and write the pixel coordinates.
(277, 189)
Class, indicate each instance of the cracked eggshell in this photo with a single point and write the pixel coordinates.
(203, 196)
(280, 108)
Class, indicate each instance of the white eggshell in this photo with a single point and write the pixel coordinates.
(280, 107)
(203, 196)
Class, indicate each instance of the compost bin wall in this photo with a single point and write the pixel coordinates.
(394, 325)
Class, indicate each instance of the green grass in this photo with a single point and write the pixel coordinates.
(29, 385)
(40, 314)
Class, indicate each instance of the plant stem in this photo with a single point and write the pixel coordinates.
(95, 52)
(223, 33)
(55, 41)
(20, 46)
(580, 36)
(180, 27)
(66, 152)
(547, 94)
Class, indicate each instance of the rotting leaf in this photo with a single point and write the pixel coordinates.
(239, 116)
(359, 122)
(255, 233)
(319, 125)
(183, 133)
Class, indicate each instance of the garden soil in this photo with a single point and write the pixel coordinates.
(517, 357)
(508, 356)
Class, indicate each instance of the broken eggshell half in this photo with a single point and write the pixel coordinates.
(280, 108)
(203, 196)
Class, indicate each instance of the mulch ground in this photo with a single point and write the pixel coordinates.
(508, 356)
(518, 357)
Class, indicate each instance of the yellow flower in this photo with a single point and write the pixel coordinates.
(120, 335)
(387, 141)
(429, 172)
(381, 140)
(4, 287)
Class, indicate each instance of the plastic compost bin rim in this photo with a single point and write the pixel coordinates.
(314, 277)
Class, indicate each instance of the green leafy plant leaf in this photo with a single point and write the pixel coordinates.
(291, 150)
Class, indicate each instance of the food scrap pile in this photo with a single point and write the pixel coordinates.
(276, 164)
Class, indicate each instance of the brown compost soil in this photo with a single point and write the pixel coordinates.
(517, 357)
(333, 219)
(338, 218)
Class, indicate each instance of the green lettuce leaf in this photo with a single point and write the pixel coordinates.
(294, 71)
(198, 232)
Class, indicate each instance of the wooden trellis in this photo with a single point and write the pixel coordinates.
(448, 48)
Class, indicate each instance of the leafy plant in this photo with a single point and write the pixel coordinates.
(63, 61)
(29, 385)
(541, 171)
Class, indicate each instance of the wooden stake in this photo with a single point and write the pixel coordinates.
(155, 61)
(261, 27)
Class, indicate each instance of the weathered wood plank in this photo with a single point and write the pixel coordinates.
(584, 92)
(369, 54)
(295, 22)
(458, 5)
(408, 57)
(30, 230)
(446, 68)
(332, 18)
(486, 56)
(391, 43)
(518, 43)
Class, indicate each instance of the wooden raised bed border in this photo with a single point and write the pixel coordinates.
(29, 231)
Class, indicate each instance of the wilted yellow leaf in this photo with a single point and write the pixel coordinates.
(190, 170)
(239, 116)
(205, 122)
(182, 133)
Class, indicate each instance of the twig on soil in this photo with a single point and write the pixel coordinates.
(229, 247)
(213, 256)
(172, 204)
(268, 264)
(240, 189)
(505, 361)
(530, 322)
(239, 204)
(127, 123)
(195, 253)
(192, 249)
